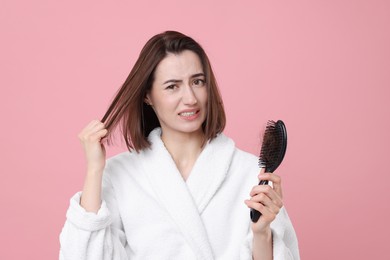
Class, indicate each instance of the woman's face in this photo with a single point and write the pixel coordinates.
(179, 93)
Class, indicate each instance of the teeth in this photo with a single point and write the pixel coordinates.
(187, 113)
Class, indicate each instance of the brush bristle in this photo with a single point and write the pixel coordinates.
(274, 146)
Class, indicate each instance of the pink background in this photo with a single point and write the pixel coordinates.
(321, 66)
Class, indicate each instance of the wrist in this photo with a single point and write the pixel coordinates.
(262, 244)
(94, 172)
(265, 233)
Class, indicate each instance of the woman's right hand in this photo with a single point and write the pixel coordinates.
(95, 153)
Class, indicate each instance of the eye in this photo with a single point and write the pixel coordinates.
(199, 82)
(173, 86)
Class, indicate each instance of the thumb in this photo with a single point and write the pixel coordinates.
(262, 170)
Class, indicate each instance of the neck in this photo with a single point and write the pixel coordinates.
(184, 149)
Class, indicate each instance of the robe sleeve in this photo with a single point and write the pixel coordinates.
(285, 243)
(94, 236)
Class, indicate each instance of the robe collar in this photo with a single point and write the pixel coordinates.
(185, 201)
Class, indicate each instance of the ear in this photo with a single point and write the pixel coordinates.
(147, 100)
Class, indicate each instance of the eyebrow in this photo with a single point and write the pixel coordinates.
(177, 80)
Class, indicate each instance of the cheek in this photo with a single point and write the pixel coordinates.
(164, 104)
(204, 96)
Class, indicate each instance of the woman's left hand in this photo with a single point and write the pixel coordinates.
(266, 200)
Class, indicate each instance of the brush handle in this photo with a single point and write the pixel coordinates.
(255, 215)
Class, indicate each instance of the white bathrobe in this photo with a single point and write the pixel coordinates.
(149, 212)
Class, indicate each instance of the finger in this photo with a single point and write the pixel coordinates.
(255, 205)
(276, 181)
(93, 129)
(261, 189)
(269, 191)
(262, 170)
(268, 202)
(93, 137)
(270, 177)
(98, 135)
(88, 127)
(92, 123)
(273, 203)
(99, 125)
(265, 212)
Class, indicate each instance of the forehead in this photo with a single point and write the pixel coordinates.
(177, 66)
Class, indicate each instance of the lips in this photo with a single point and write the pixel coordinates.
(188, 113)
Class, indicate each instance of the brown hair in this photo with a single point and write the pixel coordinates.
(136, 118)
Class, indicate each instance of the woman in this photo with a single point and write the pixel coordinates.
(180, 190)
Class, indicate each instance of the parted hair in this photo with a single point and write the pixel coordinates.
(135, 117)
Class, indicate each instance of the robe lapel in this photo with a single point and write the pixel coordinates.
(210, 170)
(173, 193)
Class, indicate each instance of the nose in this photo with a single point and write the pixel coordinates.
(189, 97)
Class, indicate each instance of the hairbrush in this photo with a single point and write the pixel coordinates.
(272, 152)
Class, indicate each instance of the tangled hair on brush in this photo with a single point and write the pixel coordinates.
(135, 117)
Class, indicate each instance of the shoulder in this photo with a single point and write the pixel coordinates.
(243, 168)
(244, 156)
(241, 160)
(246, 163)
(239, 154)
(120, 160)
(122, 164)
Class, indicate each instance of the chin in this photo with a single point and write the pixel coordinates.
(185, 129)
(191, 129)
